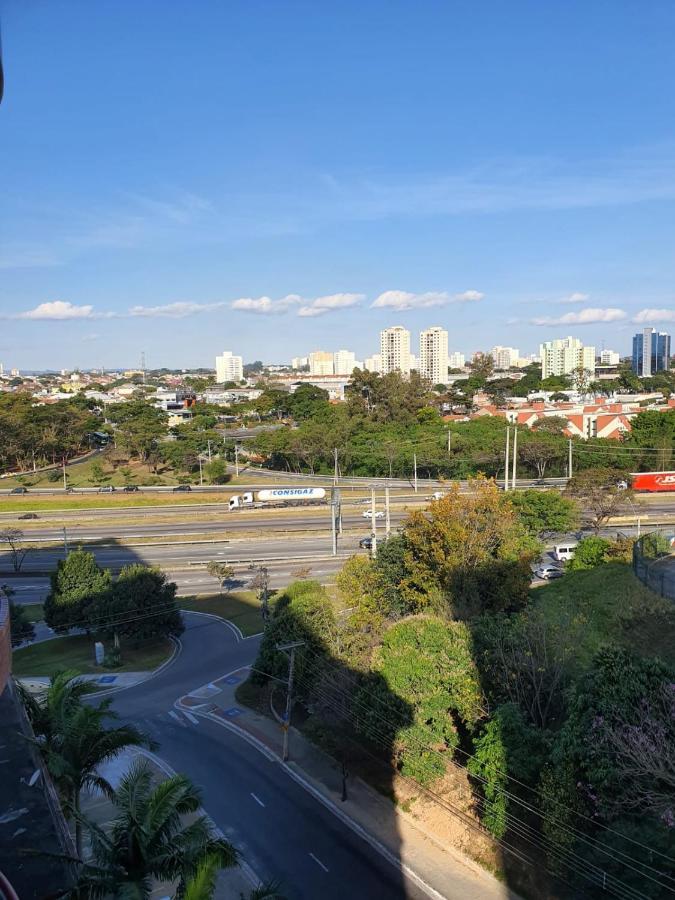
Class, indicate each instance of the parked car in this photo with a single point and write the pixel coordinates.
(130, 488)
(29, 516)
(19, 490)
(366, 543)
(106, 489)
(368, 514)
(547, 573)
(182, 487)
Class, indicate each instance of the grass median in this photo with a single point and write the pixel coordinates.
(77, 652)
(242, 608)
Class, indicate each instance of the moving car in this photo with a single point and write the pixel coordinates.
(549, 572)
(366, 543)
(19, 490)
(182, 487)
(29, 516)
(130, 488)
(106, 489)
(368, 514)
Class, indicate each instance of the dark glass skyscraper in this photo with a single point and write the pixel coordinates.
(651, 352)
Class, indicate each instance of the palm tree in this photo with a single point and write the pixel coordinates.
(74, 741)
(148, 841)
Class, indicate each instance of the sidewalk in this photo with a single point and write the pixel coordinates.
(232, 884)
(440, 869)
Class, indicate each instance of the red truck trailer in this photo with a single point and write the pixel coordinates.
(653, 481)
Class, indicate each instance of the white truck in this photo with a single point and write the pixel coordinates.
(282, 496)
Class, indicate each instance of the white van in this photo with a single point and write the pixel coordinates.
(564, 552)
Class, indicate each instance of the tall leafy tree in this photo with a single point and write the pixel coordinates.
(77, 582)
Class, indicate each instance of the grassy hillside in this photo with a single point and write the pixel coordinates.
(611, 605)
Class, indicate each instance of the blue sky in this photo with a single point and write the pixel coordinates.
(271, 178)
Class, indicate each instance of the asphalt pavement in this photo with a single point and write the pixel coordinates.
(282, 831)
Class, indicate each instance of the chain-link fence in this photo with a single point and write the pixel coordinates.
(654, 561)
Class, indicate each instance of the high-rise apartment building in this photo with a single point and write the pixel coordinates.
(395, 350)
(373, 363)
(344, 362)
(505, 357)
(299, 362)
(433, 362)
(609, 358)
(456, 360)
(229, 367)
(651, 352)
(564, 356)
(321, 363)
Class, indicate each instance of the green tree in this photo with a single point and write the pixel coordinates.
(216, 472)
(74, 740)
(149, 839)
(590, 552)
(221, 571)
(545, 512)
(139, 426)
(77, 582)
(140, 604)
(423, 664)
(489, 765)
(13, 540)
(98, 474)
(468, 553)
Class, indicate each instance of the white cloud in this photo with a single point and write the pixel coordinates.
(403, 300)
(265, 306)
(654, 315)
(576, 297)
(57, 310)
(322, 305)
(178, 310)
(588, 316)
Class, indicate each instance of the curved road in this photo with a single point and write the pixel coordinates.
(286, 836)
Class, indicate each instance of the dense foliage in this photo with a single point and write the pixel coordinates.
(36, 435)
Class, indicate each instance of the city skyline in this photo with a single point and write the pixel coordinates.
(530, 211)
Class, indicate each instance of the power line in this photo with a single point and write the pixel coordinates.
(516, 799)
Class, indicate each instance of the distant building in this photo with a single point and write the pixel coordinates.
(609, 358)
(344, 362)
(229, 367)
(505, 357)
(373, 363)
(299, 362)
(456, 360)
(433, 363)
(651, 352)
(564, 356)
(321, 363)
(395, 350)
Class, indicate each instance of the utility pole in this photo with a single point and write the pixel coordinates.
(208, 443)
(65, 477)
(506, 465)
(515, 456)
(336, 473)
(335, 516)
(449, 441)
(415, 470)
(201, 474)
(289, 648)
(387, 519)
(236, 460)
(373, 525)
(569, 458)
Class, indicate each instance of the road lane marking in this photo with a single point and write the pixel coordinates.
(190, 717)
(257, 800)
(174, 715)
(318, 862)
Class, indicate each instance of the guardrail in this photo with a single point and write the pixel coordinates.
(654, 561)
